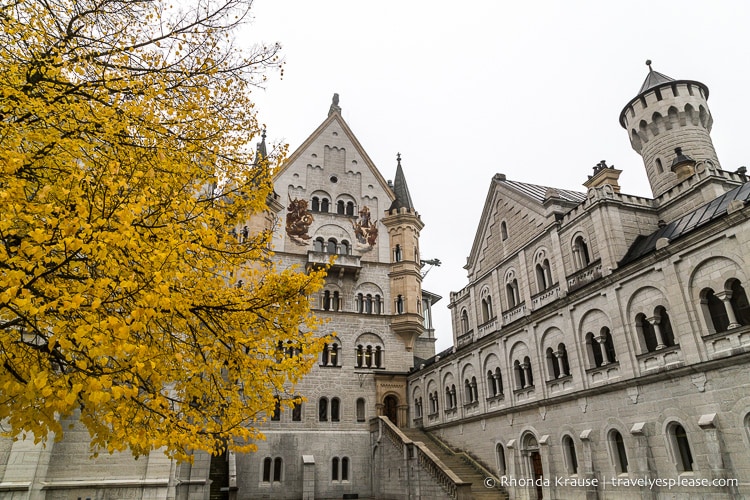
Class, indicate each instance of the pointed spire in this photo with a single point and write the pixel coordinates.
(400, 189)
(335, 108)
(260, 148)
(653, 79)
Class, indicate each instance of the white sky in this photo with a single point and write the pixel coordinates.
(468, 89)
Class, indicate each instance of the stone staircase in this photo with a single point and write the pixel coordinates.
(459, 466)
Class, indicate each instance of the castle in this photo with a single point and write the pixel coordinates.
(601, 345)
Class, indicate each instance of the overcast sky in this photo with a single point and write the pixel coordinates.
(464, 90)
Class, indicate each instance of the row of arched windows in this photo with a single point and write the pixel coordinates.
(340, 469)
(366, 355)
(677, 438)
(332, 246)
(331, 409)
(363, 303)
(323, 204)
(369, 356)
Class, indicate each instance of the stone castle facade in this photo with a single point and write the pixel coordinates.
(603, 339)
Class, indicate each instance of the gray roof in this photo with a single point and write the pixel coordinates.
(401, 190)
(645, 244)
(653, 79)
(539, 192)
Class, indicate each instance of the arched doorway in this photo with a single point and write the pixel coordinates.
(531, 450)
(390, 409)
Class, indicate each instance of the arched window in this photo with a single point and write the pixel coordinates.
(716, 316)
(360, 409)
(397, 255)
(335, 409)
(500, 454)
(350, 208)
(646, 332)
(448, 400)
(324, 205)
(276, 415)
(543, 275)
(315, 204)
(609, 345)
(336, 302)
(552, 367)
(557, 362)
(335, 469)
(454, 399)
(511, 289)
(467, 391)
(334, 357)
(359, 302)
(368, 356)
(368, 304)
(277, 468)
(378, 357)
(267, 466)
(464, 321)
(345, 248)
(331, 246)
(323, 410)
(527, 368)
(326, 300)
(571, 459)
(494, 383)
(340, 207)
(681, 448)
(318, 244)
(487, 313)
(435, 402)
(565, 365)
(739, 303)
(619, 455)
(503, 230)
(400, 305)
(345, 469)
(378, 303)
(665, 326)
(297, 411)
(581, 252)
(594, 351)
(360, 356)
(520, 375)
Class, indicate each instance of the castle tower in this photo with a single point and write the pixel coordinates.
(665, 115)
(403, 224)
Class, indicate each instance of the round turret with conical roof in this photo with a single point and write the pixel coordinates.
(665, 115)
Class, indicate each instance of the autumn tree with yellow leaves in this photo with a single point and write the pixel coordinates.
(126, 301)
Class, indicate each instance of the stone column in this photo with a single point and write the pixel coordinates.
(600, 341)
(726, 297)
(655, 322)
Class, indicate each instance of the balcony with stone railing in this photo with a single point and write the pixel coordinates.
(465, 339)
(603, 374)
(342, 264)
(728, 343)
(545, 297)
(560, 384)
(660, 359)
(590, 273)
(487, 327)
(513, 314)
